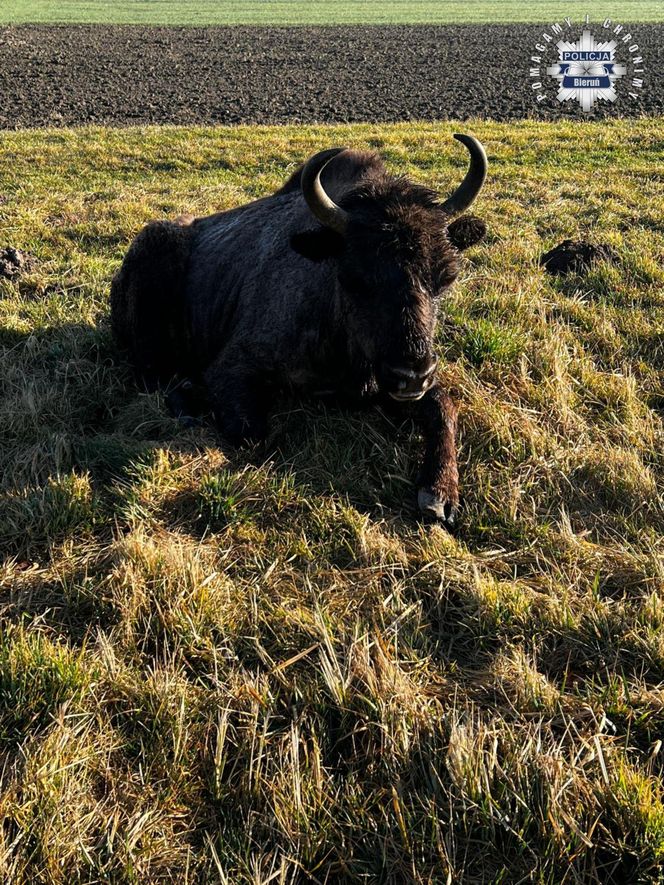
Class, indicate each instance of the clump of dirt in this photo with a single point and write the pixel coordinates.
(13, 263)
(575, 257)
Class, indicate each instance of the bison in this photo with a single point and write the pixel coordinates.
(330, 284)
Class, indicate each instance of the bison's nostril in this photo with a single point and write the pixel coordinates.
(407, 384)
(411, 375)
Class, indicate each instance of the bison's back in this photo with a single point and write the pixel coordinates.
(245, 284)
(148, 309)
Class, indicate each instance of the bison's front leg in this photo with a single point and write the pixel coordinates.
(438, 480)
(239, 403)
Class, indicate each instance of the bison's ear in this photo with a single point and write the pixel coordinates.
(466, 231)
(319, 244)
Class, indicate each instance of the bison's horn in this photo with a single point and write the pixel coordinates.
(325, 209)
(470, 187)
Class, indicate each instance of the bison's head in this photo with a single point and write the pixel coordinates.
(396, 251)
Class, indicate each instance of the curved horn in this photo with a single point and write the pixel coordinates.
(325, 209)
(470, 187)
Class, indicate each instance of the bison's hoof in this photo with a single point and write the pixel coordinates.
(437, 509)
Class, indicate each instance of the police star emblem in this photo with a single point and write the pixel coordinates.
(586, 71)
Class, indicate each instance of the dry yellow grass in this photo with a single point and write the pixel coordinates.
(217, 667)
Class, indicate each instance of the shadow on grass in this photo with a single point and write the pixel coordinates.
(307, 497)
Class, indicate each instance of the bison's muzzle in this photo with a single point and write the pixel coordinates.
(410, 383)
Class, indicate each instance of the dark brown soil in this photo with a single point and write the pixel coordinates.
(126, 74)
(575, 257)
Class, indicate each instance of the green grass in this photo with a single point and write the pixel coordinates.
(236, 668)
(296, 12)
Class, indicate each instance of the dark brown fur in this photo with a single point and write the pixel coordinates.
(148, 310)
(262, 297)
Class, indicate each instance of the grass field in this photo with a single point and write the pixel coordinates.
(293, 12)
(243, 669)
